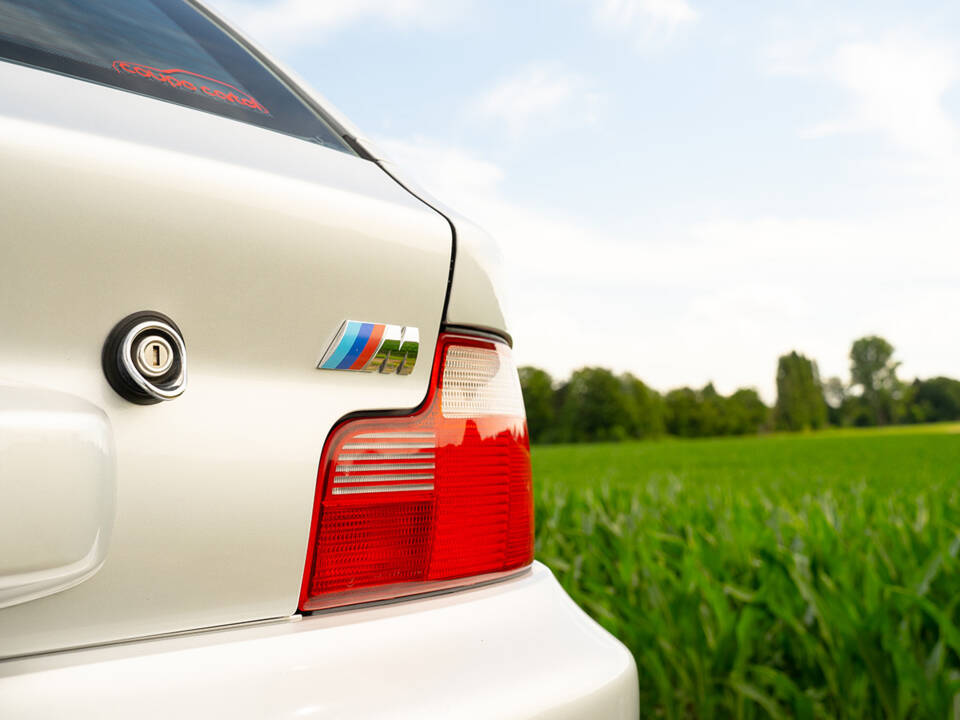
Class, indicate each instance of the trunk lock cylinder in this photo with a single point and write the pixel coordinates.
(154, 356)
(145, 359)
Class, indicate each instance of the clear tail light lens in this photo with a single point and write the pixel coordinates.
(438, 498)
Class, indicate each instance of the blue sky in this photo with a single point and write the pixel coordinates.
(680, 189)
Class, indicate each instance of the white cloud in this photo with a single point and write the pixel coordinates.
(292, 22)
(897, 86)
(451, 173)
(651, 21)
(794, 54)
(539, 94)
(716, 300)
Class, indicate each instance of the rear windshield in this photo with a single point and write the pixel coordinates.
(167, 49)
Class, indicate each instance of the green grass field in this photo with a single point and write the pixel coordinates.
(782, 576)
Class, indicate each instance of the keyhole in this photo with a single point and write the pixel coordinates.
(154, 356)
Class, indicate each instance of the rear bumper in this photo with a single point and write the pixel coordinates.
(517, 649)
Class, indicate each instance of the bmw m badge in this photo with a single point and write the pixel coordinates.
(372, 347)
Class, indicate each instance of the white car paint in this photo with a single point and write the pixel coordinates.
(517, 649)
(475, 292)
(57, 472)
(258, 245)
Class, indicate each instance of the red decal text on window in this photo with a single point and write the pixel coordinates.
(192, 82)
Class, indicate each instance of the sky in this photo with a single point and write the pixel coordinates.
(681, 189)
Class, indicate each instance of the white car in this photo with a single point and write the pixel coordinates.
(263, 451)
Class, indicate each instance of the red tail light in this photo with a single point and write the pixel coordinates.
(434, 499)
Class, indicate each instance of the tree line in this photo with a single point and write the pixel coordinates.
(595, 404)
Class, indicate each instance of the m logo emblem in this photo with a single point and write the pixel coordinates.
(373, 347)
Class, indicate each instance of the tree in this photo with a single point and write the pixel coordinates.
(800, 404)
(934, 400)
(695, 413)
(835, 395)
(595, 407)
(713, 412)
(707, 413)
(683, 413)
(873, 372)
(647, 407)
(538, 399)
(746, 412)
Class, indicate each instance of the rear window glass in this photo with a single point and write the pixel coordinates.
(167, 49)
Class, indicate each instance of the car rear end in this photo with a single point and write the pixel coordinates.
(324, 508)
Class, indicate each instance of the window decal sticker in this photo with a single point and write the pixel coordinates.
(194, 83)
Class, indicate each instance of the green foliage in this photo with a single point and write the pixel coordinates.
(540, 403)
(646, 408)
(595, 407)
(800, 404)
(785, 576)
(873, 372)
(684, 418)
(835, 395)
(746, 412)
(706, 413)
(934, 400)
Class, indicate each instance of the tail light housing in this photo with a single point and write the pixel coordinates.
(434, 499)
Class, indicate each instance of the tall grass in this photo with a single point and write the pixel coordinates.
(778, 577)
